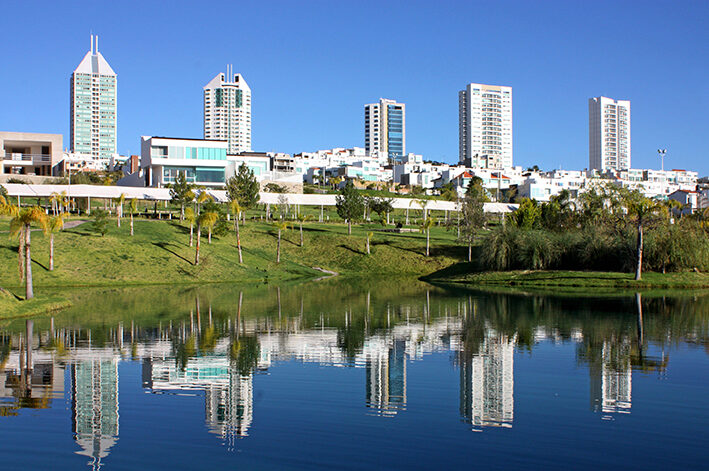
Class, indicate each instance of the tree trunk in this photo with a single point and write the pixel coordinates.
(470, 251)
(191, 233)
(209, 236)
(278, 248)
(301, 234)
(427, 237)
(118, 217)
(182, 212)
(199, 236)
(639, 267)
(131, 223)
(21, 255)
(29, 292)
(238, 237)
(349, 226)
(51, 252)
(368, 245)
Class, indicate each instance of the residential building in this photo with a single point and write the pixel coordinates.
(227, 111)
(608, 134)
(30, 153)
(203, 162)
(385, 128)
(485, 126)
(93, 106)
(690, 200)
(78, 162)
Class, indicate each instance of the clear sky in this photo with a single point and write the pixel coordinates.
(312, 65)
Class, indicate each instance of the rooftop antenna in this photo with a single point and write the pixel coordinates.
(97, 44)
(92, 44)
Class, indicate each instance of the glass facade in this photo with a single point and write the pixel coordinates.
(193, 174)
(395, 131)
(178, 152)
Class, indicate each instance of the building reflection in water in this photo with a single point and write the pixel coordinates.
(487, 383)
(386, 378)
(94, 407)
(611, 378)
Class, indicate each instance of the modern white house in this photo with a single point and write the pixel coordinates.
(29, 153)
(485, 126)
(227, 111)
(203, 162)
(608, 134)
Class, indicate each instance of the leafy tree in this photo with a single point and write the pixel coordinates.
(181, 193)
(281, 226)
(473, 213)
(236, 212)
(448, 192)
(3, 192)
(53, 225)
(100, 222)
(558, 213)
(527, 216)
(381, 206)
(243, 188)
(426, 226)
(350, 205)
(133, 208)
(244, 354)
(21, 226)
(209, 219)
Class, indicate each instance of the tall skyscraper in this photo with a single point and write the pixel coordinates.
(227, 111)
(93, 106)
(608, 134)
(485, 126)
(385, 128)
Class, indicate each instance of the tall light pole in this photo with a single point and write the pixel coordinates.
(661, 153)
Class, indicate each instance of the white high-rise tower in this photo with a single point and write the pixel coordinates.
(227, 111)
(485, 126)
(385, 128)
(93, 113)
(608, 134)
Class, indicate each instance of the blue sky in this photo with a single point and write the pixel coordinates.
(312, 65)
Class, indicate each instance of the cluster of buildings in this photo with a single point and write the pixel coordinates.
(485, 146)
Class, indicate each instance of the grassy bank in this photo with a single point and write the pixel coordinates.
(159, 253)
(570, 280)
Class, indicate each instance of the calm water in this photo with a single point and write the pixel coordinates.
(331, 375)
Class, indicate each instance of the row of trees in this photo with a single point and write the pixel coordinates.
(606, 228)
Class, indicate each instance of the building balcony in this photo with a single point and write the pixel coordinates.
(26, 159)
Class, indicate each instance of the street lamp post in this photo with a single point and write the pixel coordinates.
(661, 153)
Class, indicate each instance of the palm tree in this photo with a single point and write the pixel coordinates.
(281, 226)
(236, 211)
(12, 211)
(20, 226)
(202, 198)
(53, 225)
(207, 219)
(426, 225)
(190, 218)
(369, 236)
(55, 198)
(301, 219)
(133, 207)
(643, 210)
(119, 209)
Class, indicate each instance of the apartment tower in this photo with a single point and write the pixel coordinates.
(93, 106)
(485, 126)
(227, 111)
(385, 128)
(608, 134)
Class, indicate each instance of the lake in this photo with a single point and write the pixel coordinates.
(337, 374)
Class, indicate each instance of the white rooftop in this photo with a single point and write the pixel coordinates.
(94, 63)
